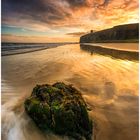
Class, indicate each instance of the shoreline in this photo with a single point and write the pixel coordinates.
(106, 84)
(105, 50)
(29, 51)
(113, 52)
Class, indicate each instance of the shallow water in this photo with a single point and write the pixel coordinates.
(109, 85)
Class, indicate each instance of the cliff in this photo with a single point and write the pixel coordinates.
(121, 33)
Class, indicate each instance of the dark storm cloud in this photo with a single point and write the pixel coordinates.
(42, 10)
(86, 3)
(106, 2)
(54, 14)
(77, 3)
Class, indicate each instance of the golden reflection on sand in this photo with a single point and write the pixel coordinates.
(109, 85)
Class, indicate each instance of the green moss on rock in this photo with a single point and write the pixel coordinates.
(61, 109)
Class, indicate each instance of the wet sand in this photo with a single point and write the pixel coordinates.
(109, 85)
(118, 46)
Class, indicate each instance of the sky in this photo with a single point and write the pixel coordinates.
(40, 21)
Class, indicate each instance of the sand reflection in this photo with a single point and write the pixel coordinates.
(109, 85)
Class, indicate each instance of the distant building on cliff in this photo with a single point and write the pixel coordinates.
(91, 31)
(121, 33)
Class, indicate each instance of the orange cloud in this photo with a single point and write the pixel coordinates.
(67, 16)
(37, 39)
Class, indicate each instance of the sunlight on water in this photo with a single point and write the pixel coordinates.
(109, 86)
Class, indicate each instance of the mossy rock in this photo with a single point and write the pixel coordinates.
(61, 109)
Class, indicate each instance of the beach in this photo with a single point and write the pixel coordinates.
(109, 85)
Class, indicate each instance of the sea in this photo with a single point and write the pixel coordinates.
(106, 75)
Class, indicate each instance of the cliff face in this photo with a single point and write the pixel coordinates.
(121, 33)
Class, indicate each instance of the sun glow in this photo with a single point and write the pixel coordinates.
(58, 20)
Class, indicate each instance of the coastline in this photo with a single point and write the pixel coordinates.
(96, 47)
(107, 85)
(113, 52)
(28, 50)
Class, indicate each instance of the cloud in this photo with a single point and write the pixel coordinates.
(78, 34)
(44, 11)
(46, 15)
(77, 3)
(37, 39)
